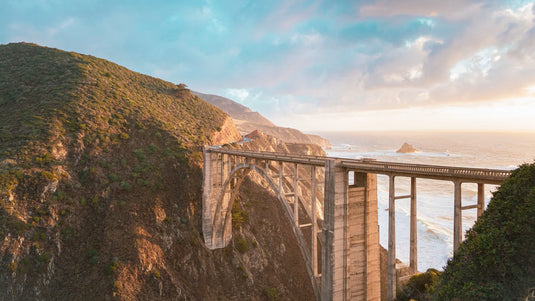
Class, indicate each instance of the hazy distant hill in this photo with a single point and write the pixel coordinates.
(237, 111)
(247, 121)
(100, 190)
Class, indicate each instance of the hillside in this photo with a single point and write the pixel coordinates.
(247, 121)
(497, 259)
(100, 190)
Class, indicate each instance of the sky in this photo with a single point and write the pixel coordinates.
(385, 65)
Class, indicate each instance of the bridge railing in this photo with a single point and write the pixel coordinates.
(304, 159)
(430, 171)
(470, 174)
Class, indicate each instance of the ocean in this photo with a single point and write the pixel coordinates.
(434, 198)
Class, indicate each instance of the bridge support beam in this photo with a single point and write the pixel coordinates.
(413, 256)
(391, 270)
(350, 253)
(457, 216)
(210, 186)
(480, 199)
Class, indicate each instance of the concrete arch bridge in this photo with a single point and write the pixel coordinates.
(332, 206)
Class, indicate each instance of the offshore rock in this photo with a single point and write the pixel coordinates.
(406, 148)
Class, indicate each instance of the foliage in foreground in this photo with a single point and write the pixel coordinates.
(419, 286)
(497, 259)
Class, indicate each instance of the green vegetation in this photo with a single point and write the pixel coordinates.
(239, 217)
(86, 145)
(243, 271)
(111, 267)
(92, 255)
(270, 293)
(55, 101)
(497, 259)
(241, 244)
(419, 286)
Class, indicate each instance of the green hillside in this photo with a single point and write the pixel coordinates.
(497, 259)
(100, 190)
(84, 143)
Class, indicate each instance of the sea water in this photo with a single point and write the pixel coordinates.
(434, 198)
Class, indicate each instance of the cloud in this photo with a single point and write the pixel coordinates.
(389, 8)
(303, 56)
(237, 94)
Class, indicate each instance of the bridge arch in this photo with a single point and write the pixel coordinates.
(222, 181)
(222, 220)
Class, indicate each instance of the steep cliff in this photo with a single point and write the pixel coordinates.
(100, 190)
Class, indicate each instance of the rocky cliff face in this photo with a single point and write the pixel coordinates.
(227, 133)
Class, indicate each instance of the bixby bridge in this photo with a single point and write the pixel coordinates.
(332, 206)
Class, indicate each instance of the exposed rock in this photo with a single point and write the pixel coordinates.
(406, 148)
(227, 134)
(247, 121)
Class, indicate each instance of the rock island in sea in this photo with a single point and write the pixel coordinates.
(406, 148)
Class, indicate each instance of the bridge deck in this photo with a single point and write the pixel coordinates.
(436, 172)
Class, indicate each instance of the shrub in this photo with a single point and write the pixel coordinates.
(139, 154)
(59, 195)
(44, 258)
(241, 244)
(243, 271)
(12, 266)
(419, 286)
(152, 148)
(270, 293)
(239, 217)
(92, 255)
(497, 259)
(111, 267)
(48, 175)
(125, 185)
(113, 177)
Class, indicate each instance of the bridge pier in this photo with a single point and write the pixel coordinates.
(350, 236)
(413, 256)
(457, 215)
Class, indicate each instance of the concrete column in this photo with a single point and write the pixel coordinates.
(314, 238)
(281, 171)
(392, 277)
(213, 178)
(207, 198)
(224, 236)
(333, 255)
(480, 199)
(373, 249)
(296, 200)
(350, 254)
(457, 216)
(413, 262)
